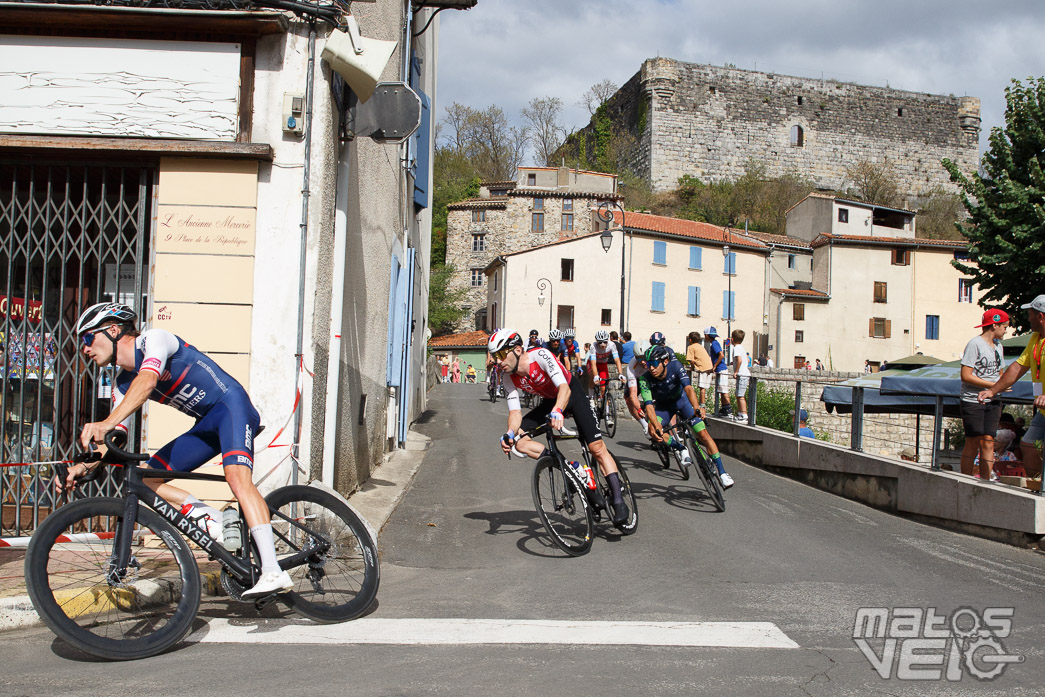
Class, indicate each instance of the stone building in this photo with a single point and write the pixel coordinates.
(709, 122)
(543, 205)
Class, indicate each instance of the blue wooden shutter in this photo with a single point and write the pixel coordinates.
(694, 257)
(658, 297)
(660, 252)
(694, 301)
(729, 299)
(730, 265)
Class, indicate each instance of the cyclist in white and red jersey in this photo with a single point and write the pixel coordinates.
(598, 361)
(538, 372)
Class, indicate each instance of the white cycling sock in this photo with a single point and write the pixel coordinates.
(262, 535)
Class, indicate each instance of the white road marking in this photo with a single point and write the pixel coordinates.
(758, 635)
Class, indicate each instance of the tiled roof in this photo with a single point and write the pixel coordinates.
(770, 238)
(808, 293)
(529, 191)
(508, 184)
(686, 228)
(476, 339)
(858, 240)
(492, 202)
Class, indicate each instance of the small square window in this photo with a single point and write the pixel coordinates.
(799, 336)
(880, 294)
(531, 179)
(477, 278)
(843, 215)
(798, 311)
(537, 225)
(791, 259)
(538, 204)
(965, 290)
(566, 266)
(901, 257)
(567, 204)
(478, 243)
(567, 222)
(607, 318)
(478, 216)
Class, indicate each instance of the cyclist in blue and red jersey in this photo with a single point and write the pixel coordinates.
(538, 372)
(160, 366)
(598, 361)
(666, 393)
(573, 350)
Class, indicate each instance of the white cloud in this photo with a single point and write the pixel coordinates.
(506, 52)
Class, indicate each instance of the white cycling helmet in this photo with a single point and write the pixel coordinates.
(602, 335)
(96, 315)
(554, 335)
(640, 349)
(504, 338)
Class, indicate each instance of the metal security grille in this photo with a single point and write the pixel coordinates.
(70, 236)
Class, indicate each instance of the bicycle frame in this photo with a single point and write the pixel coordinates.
(595, 496)
(240, 567)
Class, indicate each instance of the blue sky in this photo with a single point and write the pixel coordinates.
(506, 52)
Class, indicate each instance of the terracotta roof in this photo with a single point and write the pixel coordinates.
(530, 191)
(508, 184)
(561, 240)
(770, 238)
(492, 202)
(857, 240)
(556, 169)
(476, 339)
(808, 293)
(686, 228)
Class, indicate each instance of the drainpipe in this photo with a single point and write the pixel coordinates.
(300, 346)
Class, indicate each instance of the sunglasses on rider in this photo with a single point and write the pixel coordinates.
(88, 337)
(502, 354)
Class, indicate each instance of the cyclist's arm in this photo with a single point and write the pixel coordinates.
(137, 394)
(697, 406)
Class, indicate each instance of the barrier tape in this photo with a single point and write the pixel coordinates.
(23, 542)
(302, 371)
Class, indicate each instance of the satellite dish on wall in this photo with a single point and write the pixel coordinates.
(358, 60)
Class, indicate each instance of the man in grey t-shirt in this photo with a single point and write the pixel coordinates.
(981, 367)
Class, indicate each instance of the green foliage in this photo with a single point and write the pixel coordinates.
(873, 183)
(445, 308)
(1006, 204)
(455, 179)
(938, 214)
(774, 406)
(643, 116)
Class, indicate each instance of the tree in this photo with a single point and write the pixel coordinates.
(873, 183)
(938, 214)
(445, 305)
(597, 95)
(1006, 204)
(544, 116)
(493, 146)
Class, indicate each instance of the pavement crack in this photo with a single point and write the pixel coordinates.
(822, 674)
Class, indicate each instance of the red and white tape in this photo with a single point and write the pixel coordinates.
(23, 542)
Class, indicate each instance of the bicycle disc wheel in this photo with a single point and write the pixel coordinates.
(562, 507)
(142, 614)
(335, 585)
(629, 526)
(611, 414)
(707, 472)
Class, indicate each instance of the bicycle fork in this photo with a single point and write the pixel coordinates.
(121, 559)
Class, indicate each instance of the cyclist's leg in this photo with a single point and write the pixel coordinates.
(588, 431)
(701, 432)
(534, 418)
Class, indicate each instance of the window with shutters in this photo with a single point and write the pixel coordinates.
(798, 311)
(478, 216)
(695, 258)
(657, 304)
(901, 257)
(660, 253)
(693, 301)
(879, 328)
(880, 294)
(932, 326)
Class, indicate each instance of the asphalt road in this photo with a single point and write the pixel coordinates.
(465, 543)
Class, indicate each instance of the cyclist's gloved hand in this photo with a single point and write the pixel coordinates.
(555, 418)
(622, 377)
(507, 441)
(597, 380)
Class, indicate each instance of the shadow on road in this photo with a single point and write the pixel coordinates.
(527, 525)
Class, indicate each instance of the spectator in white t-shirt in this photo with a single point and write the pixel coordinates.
(740, 361)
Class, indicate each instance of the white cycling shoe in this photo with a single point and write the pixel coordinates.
(726, 480)
(269, 583)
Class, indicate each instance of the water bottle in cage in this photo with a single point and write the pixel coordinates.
(232, 531)
(585, 473)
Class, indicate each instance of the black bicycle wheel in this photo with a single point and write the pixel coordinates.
(662, 453)
(492, 390)
(334, 585)
(610, 414)
(708, 473)
(142, 614)
(563, 507)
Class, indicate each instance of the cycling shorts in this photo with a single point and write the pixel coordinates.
(665, 410)
(228, 429)
(578, 407)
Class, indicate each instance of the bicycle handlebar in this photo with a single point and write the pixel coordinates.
(122, 454)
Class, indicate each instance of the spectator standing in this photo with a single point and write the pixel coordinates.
(1030, 359)
(981, 367)
(444, 367)
(819, 365)
(700, 367)
(763, 360)
(627, 349)
(456, 371)
(867, 366)
(615, 338)
(720, 367)
(741, 372)
(769, 362)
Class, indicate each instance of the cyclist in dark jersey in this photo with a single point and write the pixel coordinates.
(538, 372)
(158, 365)
(665, 392)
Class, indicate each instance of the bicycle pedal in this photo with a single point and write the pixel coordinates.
(261, 603)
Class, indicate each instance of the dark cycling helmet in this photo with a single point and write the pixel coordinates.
(657, 339)
(554, 335)
(534, 332)
(657, 354)
(96, 315)
(569, 333)
(504, 338)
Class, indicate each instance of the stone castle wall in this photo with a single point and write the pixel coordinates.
(709, 122)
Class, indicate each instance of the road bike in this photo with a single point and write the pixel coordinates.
(567, 505)
(493, 388)
(115, 577)
(706, 470)
(607, 413)
(663, 451)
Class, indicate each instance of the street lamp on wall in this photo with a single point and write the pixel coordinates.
(605, 214)
(544, 284)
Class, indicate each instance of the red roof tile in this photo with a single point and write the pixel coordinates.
(686, 228)
(827, 237)
(476, 339)
(800, 291)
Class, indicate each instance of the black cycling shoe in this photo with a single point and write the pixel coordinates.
(620, 513)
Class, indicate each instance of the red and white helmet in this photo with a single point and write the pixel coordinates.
(504, 338)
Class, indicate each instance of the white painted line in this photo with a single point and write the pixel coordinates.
(757, 635)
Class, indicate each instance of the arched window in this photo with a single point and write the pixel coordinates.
(798, 137)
